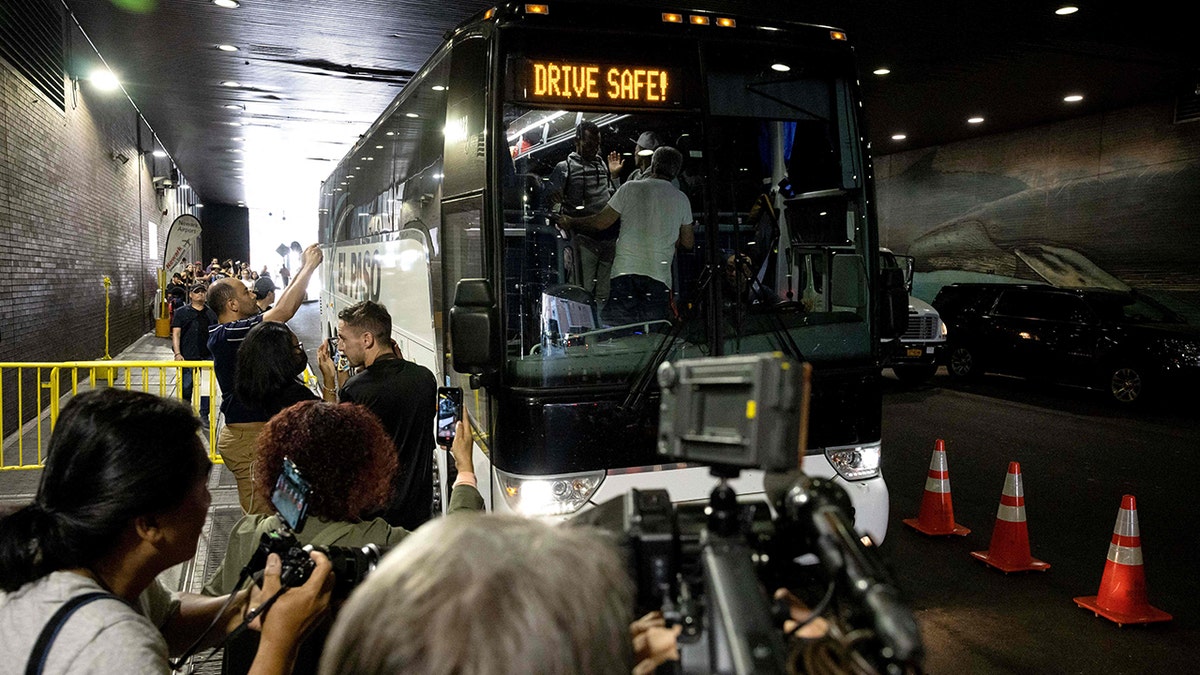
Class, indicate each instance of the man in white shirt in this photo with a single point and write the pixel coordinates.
(656, 218)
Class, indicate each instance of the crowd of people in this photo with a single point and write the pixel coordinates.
(125, 495)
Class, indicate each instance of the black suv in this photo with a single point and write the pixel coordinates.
(1123, 343)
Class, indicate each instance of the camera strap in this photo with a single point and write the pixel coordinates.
(41, 648)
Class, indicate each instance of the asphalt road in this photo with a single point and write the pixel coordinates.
(1078, 456)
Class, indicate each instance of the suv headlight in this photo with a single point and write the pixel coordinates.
(558, 495)
(855, 462)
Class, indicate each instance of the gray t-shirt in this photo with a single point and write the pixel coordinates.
(103, 636)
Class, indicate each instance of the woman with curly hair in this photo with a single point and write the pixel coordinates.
(348, 460)
(266, 380)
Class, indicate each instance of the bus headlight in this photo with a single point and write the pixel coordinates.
(549, 495)
(855, 462)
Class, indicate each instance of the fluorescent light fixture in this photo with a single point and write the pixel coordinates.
(1066, 9)
(159, 153)
(882, 71)
(233, 106)
(412, 115)
(227, 48)
(104, 80)
(231, 83)
(1073, 98)
(899, 137)
(438, 87)
(227, 4)
(974, 120)
(780, 67)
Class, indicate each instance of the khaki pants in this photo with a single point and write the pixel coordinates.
(238, 445)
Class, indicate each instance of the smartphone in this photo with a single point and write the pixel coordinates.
(291, 496)
(332, 346)
(449, 412)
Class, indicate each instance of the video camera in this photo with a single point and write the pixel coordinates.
(710, 568)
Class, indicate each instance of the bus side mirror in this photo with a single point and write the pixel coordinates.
(893, 303)
(474, 328)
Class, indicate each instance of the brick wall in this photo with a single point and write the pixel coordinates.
(71, 215)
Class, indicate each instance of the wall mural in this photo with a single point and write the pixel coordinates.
(1110, 200)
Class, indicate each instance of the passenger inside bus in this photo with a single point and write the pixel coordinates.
(581, 185)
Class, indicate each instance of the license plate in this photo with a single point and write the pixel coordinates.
(915, 352)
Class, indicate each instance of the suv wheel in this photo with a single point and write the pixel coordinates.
(1126, 384)
(963, 362)
(916, 373)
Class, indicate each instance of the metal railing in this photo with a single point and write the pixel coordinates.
(27, 444)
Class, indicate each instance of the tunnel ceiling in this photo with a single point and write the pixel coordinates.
(265, 123)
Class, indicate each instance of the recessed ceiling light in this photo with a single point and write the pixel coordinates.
(1066, 9)
(411, 114)
(227, 48)
(231, 83)
(379, 147)
(439, 87)
(881, 71)
(358, 168)
(227, 4)
(780, 67)
(974, 120)
(1073, 98)
(349, 175)
(391, 133)
(899, 137)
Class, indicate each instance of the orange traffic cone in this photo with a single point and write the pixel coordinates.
(936, 516)
(1122, 597)
(1009, 550)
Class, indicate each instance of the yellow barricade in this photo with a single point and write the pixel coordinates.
(25, 447)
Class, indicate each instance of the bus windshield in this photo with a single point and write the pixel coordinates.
(771, 176)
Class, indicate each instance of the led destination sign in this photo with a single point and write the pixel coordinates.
(596, 83)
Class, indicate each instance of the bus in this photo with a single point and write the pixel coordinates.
(444, 211)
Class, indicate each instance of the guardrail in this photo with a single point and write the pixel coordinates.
(154, 377)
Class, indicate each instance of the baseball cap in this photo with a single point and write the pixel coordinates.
(199, 287)
(647, 143)
(263, 287)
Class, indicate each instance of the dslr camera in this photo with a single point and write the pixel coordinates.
(713, 568)
(290, 498)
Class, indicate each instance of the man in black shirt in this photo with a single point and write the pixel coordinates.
(401, 393)
(189, 336)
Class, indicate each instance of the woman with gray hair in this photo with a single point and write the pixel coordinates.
(489, 594)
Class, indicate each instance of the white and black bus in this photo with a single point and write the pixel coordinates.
(448, 198)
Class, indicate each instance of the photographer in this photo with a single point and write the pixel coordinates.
(123, 497)
(489, 594)
(348, 460)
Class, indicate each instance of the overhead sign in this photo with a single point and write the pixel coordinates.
(593, 83)
(181, 240)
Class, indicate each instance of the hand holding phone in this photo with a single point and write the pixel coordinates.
(449, 412)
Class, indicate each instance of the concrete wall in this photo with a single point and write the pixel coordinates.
(1111, 199)
(71, 215)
